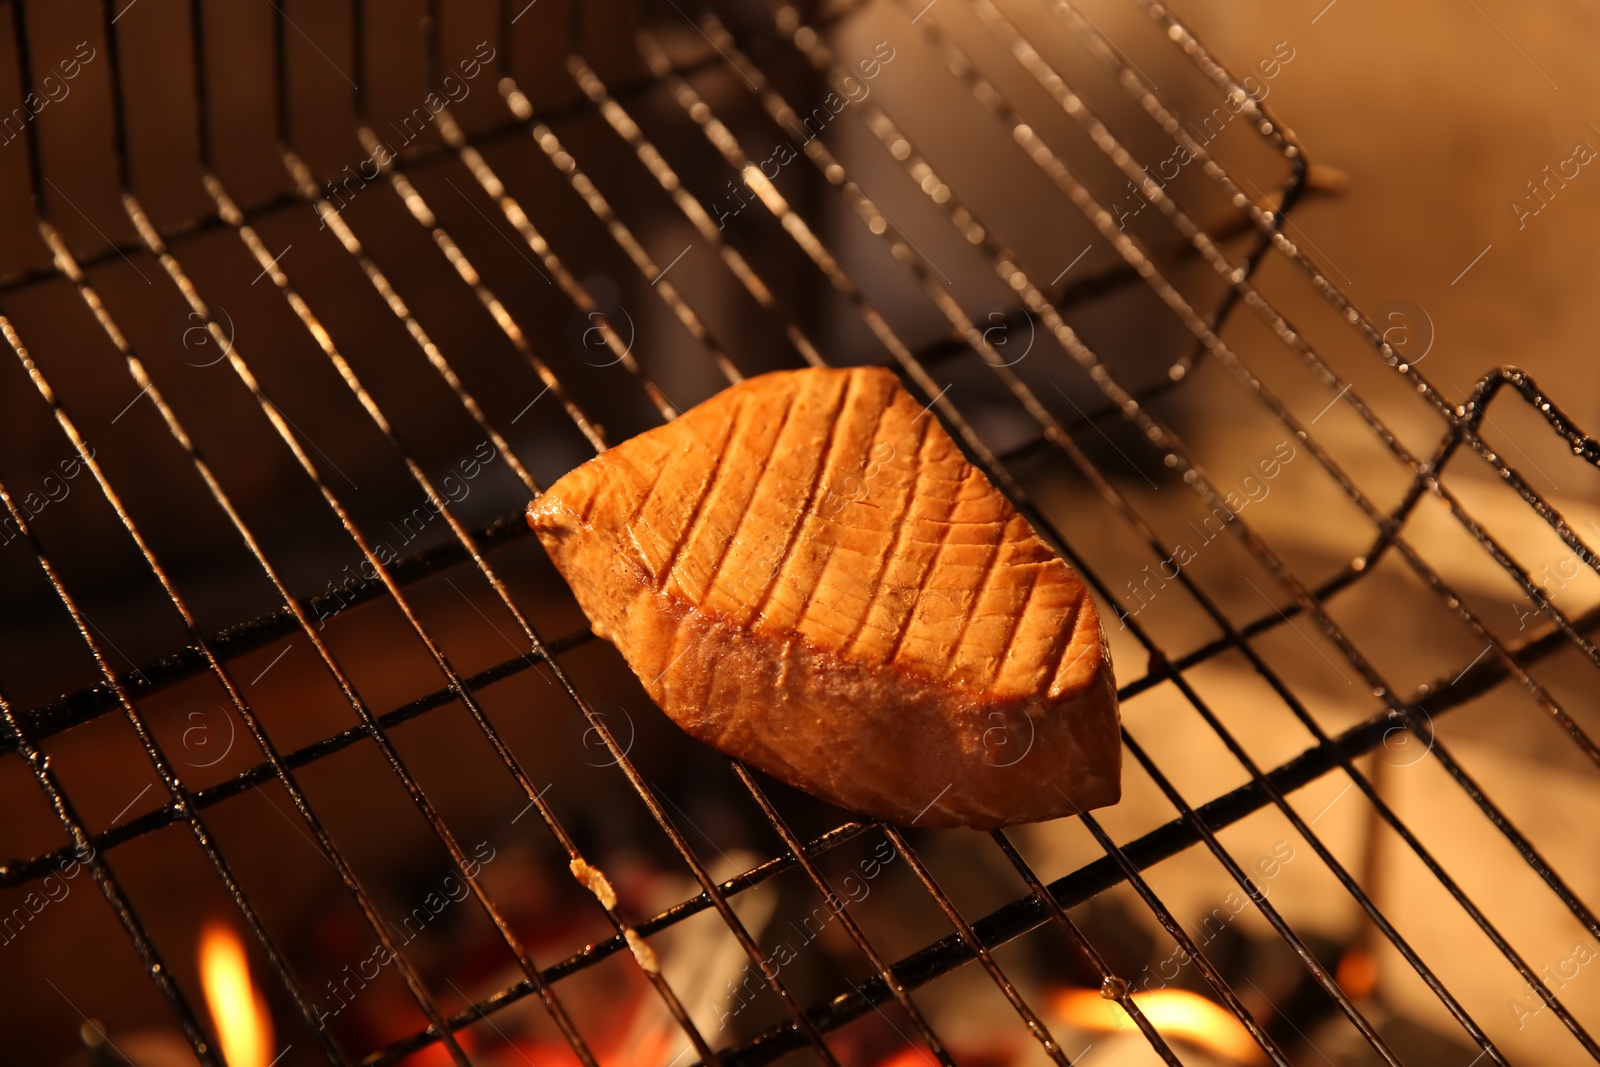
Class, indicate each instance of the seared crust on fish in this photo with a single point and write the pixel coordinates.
(807, 574)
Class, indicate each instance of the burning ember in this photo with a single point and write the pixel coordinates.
(1358, 973)
(1177, 1014)
(238, 1011)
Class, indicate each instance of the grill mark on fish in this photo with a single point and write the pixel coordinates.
(637, 516)
(650, 484)
(698, 511)
(818, 476)
(656, 539)
(707, 441)
(990, 566)
(811, 594)
(1035, 572)
(1058, 647)
(922, 582)
(822, 571)
(755, 492)
(902, 536)
(919, 587)
(961, 522)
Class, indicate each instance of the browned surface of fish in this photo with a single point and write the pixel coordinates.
(807, 574)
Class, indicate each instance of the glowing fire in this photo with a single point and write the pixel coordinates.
(1175, 1013)
(238, 1011)
(1358, 973)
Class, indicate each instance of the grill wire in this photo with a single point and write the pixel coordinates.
(1261, 220)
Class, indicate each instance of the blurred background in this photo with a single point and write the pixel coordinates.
(305, 739)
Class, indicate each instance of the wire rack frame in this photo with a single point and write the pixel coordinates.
(1047, 902)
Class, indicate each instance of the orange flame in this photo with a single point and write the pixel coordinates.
(1175, 1013)
(238, 1011)
(1358, 973)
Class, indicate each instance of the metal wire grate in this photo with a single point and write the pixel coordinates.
(699, 93)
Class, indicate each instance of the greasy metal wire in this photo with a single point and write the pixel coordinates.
(972, 938)
(1005, 263)
(962, 67)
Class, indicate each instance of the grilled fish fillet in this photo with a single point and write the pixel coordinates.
(806, 574)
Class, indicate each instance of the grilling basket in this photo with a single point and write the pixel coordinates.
(308, 754)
